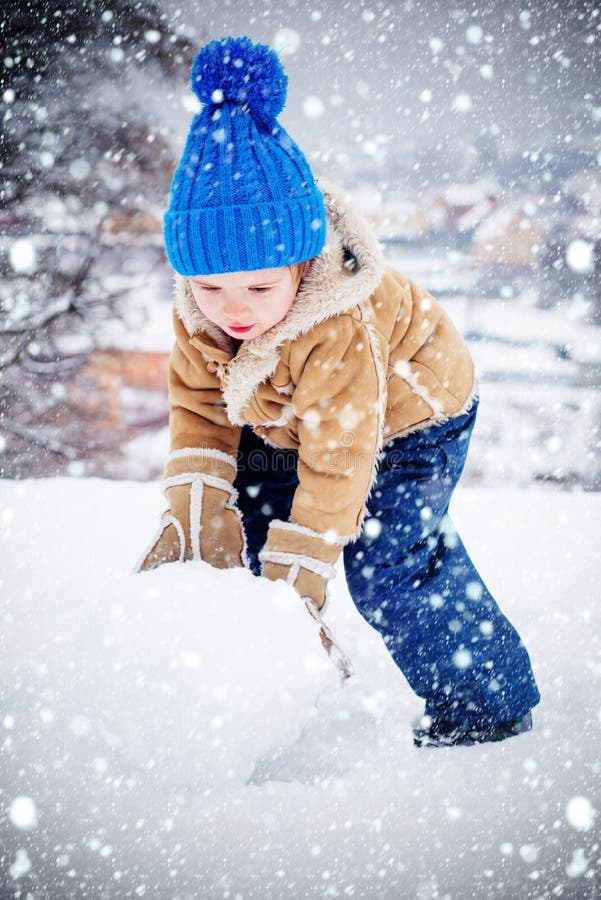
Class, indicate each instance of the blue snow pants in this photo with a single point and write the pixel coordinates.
(410, 575)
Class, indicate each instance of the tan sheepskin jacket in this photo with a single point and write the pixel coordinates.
(363, 355)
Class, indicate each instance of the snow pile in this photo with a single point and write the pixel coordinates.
(166, 672)
(181, 733)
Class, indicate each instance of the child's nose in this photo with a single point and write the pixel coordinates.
(235, 308)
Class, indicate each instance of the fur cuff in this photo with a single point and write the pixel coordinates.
(327, 537)
(203, 452)
(297, 561)
(296, 545)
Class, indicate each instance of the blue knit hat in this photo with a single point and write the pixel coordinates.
(243, 196)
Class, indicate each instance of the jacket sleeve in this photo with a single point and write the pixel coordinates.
(339, 404)
(197, 417)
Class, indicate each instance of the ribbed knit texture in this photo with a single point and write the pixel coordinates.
(243, 196)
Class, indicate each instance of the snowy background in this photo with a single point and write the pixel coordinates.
(465, 134)
(146, 747)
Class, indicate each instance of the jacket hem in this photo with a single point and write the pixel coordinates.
(473, 396)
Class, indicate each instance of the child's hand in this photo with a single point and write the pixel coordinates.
(202, 521)
(305, 559)
(307, 584)
(302, 557)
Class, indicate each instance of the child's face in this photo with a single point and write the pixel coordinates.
(246, 304)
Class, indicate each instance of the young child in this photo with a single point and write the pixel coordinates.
(322, 403)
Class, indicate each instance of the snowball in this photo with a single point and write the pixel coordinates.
(152, 36)
(22, 256)
(580, 813)
(22, 813)
(486, 71)
(286, 41)
(197, 676)
(313, 107)
(579, 256)
(436, 45)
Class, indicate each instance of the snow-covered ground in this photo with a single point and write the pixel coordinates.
(181, 734)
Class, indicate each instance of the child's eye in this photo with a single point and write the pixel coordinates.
(259, 290)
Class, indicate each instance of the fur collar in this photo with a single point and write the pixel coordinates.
(345, 274)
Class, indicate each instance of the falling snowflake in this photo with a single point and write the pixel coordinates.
(313, 107)
(22, 813)
(22, 257)
(21, 865)
(580, 813)
(286, 41)
(579, 256)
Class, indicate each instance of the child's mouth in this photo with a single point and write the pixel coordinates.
(240, 329)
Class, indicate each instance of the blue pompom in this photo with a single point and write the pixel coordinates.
(237, 70)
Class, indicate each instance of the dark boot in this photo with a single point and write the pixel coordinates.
(446, 734)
